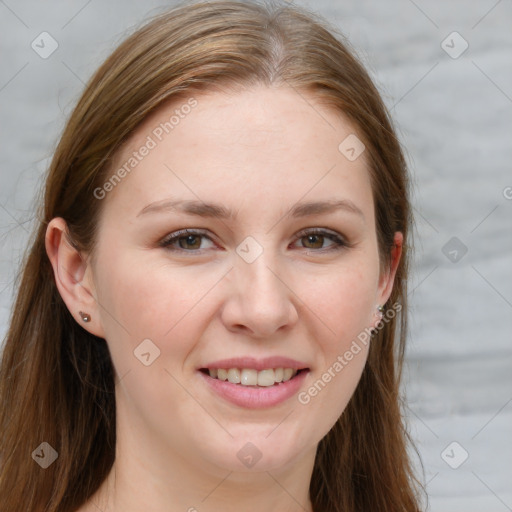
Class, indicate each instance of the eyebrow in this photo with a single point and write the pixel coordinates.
(218, 211)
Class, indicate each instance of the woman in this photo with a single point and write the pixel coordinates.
(212, 315)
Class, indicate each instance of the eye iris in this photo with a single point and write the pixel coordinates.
(313, 238)
(190, 238)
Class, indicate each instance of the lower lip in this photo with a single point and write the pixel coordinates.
(256, 398)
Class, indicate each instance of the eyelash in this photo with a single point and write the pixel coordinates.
(339, 242)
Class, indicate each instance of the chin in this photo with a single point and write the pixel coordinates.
(256, 451)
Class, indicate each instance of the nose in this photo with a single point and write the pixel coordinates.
(260, 300)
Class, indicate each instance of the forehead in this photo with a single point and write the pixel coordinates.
(260, 143)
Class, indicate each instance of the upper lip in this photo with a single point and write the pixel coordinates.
(256, 364)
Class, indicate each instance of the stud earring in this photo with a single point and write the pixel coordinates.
(84, 316)
(380, 315)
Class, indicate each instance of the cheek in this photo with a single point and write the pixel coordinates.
(344, 305)
(137, 294)
(343, 301)
(142, 298)
(142, 301)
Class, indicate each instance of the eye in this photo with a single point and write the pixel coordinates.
(317, 237)
(187, 240)
(190, 240)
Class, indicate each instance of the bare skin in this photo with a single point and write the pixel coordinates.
(258, 152)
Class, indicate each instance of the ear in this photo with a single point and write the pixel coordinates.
(73, 276)
(387, 279)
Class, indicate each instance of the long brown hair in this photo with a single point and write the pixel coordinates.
(57, 380)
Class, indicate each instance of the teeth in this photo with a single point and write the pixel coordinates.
(266, 378)
(234, 375)
(288, 374)
(251, 377)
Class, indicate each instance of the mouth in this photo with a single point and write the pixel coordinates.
(252, 378)
(252, 388)
(254, 383)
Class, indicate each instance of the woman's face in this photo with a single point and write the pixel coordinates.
(263, 277)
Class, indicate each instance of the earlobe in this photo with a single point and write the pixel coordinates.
(72, 276)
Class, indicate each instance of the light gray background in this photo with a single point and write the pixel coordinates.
(454, 116)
